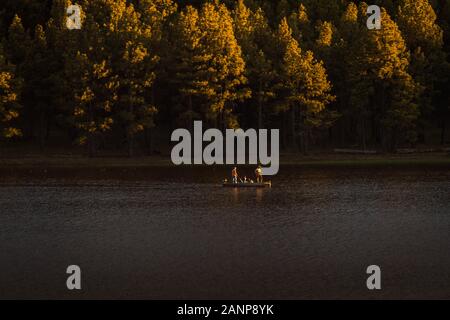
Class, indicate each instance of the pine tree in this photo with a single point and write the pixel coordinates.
(253, 33)
(95, 91)
(32, 13)
(301, 26)
(209, 67)
(282, 9)
(183, 64)
(327, 48)
(62, 46)
(10, 87)
(19, 43)
(382, 86)
(41, 84)
(324, 9)
(424, 37)
(89, 70)
(19, 52)
(347, 70)
(154, 14)
(227, 79)
(136, 73)
(417, 21)
(304, 88)
(115, 73)
(443, 105)
(325, 34)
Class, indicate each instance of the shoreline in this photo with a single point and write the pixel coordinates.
(70, 169)
(313, 160)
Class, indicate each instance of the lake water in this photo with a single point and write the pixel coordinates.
(169, 235)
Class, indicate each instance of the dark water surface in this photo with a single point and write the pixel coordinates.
(311, 236)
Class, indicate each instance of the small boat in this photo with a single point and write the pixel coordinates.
(247, 185)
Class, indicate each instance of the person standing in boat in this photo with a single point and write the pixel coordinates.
(258, 174)
(234, 175)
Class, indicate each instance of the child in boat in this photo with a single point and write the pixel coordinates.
(258, 174)
(234, 175)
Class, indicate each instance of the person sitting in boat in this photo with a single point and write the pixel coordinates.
(234, 175)
(258, 174)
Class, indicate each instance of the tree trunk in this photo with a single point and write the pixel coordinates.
(260, 103)
(220, 121)
(92, 146)
(384, 132)
(304, 132)
(363, 133)
(29, 128)
(394, 140)
(42, 130)
(91, 137)
(130, 135)
(293, 127)
(149, 141)
(342, 138)
(305, 139)
(131, 145)
(284, 130)
(190, 123)
(383, 137)
(421, 134)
